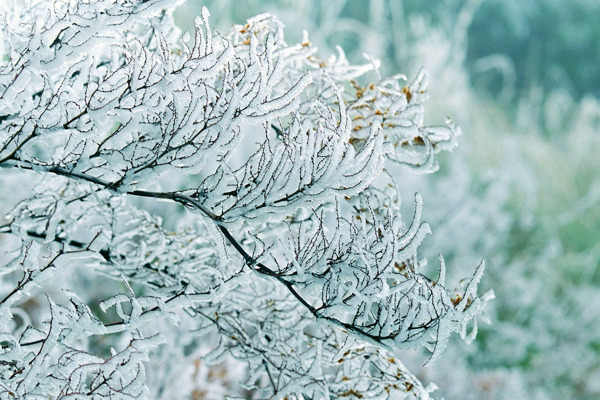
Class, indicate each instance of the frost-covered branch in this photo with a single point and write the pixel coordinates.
(294, 258)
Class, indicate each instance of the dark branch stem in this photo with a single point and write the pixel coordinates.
(189, 201)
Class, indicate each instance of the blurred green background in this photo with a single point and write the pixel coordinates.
(521, 78)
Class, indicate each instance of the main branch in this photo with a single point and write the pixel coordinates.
(191, 202)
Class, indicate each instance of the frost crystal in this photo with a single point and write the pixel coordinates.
(291, 258)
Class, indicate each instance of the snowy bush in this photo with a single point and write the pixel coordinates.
(521, 190)
(292, 265)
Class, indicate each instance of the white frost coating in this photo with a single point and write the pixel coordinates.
(302, 269)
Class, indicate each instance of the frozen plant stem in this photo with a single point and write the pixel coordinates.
(106, 97)
(188, 201)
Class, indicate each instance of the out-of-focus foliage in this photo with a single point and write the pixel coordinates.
(520, 77)
(555, 44)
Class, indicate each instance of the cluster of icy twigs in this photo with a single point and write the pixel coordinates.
(300, 266)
